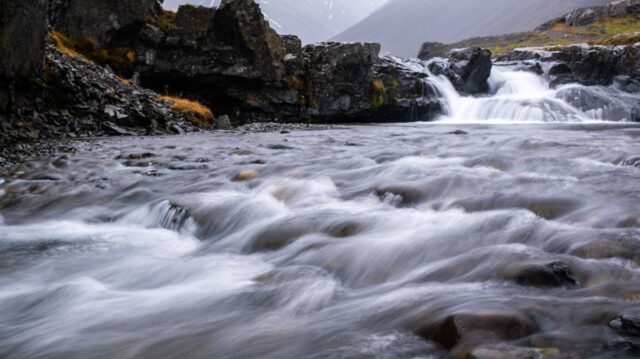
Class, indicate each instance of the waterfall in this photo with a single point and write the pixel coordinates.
(520, 96)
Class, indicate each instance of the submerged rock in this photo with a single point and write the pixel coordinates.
(626, 324)
(555, 274)
(503, 352)
(246, 175)
(625, 246)
(469, 327)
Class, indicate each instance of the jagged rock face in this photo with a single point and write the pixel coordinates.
(84, 99)
(195, 22)
(467, 69)
(241, 67)
(233, 61)
(337, 75)
(587, 65)
(22, 37)
(110, 23)
(241, 25)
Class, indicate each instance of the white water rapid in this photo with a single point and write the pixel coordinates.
(524, 97)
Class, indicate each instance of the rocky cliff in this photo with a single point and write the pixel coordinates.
(231, 59)
(47, 93)
(584, 64)
(74, 68)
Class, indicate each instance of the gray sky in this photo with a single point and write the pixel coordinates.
(311, 20)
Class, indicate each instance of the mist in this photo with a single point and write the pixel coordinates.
(311, 20)
(401, 26)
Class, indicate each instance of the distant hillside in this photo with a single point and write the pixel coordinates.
(401, 26)
(311, 20)
(618, 24)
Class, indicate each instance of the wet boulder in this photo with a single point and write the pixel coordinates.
(554, 274)
(222, 123)
(467, 69)
(628, 63)
(626, 324)
(477, 327)
(625, 246)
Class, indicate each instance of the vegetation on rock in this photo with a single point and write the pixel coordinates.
(120, 59)
(197, 113)
(378, 92)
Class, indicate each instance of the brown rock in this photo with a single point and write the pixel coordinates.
(468, 327)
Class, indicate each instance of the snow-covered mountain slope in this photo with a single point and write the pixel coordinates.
(311, 20)
(401, 26)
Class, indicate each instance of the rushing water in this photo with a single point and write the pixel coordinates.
(323, 244)
(524, 97)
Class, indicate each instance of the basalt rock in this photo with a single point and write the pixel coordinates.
(238, 65)
(22, 38)
(587, 65)
(228, 57)
(78, 98)
(467, 69)
(110, 23)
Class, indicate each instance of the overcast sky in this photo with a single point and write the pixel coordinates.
(311, 20)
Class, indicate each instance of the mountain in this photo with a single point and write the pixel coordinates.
(311, 20)
(401, 26)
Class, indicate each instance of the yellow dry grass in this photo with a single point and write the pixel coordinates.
(64, 44)
(199, 114)
(120, 59)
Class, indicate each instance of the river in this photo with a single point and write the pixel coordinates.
(336, 243)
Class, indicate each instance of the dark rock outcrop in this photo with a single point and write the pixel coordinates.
(467, 69)
(243, 68)
(22, 38)
(227, 57)
(47, 94)
(587, 65)
(110, 23)
(232, 60)
(78, 98)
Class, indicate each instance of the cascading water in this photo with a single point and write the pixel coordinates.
(351, 242)
(524, 97)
